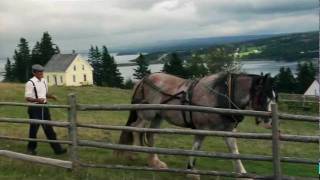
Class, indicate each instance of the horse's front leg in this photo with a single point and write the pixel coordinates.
(233, 148)
(191, 164)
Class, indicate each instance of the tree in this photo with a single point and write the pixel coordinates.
(9, 76)
(47, 48)
(175, 66)
(36, 54)
(128, 84)
(22, 66)
(305, 76)
(221, 60)
(142, 69)
(285, 81)
(95, 61)
(110, 73)
(196, 67)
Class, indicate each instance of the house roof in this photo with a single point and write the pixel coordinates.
(314, 89)
(59, 62)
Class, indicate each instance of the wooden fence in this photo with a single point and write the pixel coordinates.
(75, 143)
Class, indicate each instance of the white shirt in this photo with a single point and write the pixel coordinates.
(41, 86)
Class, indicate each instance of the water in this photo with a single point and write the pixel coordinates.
(252, 67)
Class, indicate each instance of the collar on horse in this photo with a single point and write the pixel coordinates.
(231, 104)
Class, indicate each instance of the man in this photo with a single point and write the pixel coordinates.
(36, 91)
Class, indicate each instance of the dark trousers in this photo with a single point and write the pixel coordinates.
(41, 113)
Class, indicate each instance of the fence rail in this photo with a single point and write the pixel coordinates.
(75, 143)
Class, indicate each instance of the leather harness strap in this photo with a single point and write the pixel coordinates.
(185, 98)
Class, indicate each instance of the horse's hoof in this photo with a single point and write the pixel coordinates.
(193, 176)
(158, 164)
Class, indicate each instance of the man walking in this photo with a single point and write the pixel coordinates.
(36, 91)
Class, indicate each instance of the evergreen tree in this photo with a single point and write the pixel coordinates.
(36, 54)
(22, 66)
(175, 66)
(47, 48)
(196, 67)
(142, 69)
(305, 76)
(56, 49)
(95, 61)
(110, 73)
(9, 76)
(128, 84)
(285, 81)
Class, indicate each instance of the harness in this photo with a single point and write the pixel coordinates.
(185, 98)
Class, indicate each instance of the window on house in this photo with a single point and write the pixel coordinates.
(82, 67)
(74, 78)
(74, 68)
(61, 79)
(85, 77)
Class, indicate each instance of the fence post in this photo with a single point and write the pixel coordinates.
(275, 142)
(73, 135)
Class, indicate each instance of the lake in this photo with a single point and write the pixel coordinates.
(252, 67)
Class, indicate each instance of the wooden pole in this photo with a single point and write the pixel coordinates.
(36, 159)
(275, 142)
(72, 117)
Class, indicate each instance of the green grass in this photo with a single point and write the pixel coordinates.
(14, 169)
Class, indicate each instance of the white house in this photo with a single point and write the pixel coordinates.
(68, 70)
(314, 89)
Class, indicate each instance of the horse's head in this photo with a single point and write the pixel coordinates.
(262, 95)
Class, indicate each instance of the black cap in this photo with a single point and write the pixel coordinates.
(37, 67)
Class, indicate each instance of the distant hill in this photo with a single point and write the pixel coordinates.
(190, 44)
(288, 47)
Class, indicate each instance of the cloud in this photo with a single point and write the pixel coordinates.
(76, 24)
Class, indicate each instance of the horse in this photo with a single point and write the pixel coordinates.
(221, 90)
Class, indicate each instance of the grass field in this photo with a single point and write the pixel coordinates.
(16, 170)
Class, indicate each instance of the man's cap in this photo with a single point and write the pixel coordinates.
(37, 67)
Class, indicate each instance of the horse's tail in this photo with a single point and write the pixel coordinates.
(126, 137)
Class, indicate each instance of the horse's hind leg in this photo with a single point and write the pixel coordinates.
(191, 164)
(136, 139)
(153, 159)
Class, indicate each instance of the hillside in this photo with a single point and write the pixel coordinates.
(12, 169)
(287, 47)
(290, 47)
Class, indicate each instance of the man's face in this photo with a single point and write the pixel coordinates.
(38, 74)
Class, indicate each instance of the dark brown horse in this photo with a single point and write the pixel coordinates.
(222, 90)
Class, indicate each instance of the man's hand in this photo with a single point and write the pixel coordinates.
(41, 100)
(52, 97)
(37, 100)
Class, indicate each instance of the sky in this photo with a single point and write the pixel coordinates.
(77, 24)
